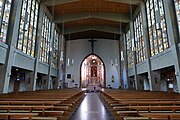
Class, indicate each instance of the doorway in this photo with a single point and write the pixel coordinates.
(92, 73)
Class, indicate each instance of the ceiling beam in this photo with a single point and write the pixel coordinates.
(133, 2)
(125, 18)
(98, 28)
(56, 2)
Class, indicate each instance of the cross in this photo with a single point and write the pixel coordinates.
(92, 44)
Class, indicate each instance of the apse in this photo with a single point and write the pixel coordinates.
(92, 72)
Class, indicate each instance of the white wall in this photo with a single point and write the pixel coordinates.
(105, 49)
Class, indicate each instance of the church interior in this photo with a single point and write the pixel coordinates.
(89, 60)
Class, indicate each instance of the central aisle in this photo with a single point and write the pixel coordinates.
(91, 108)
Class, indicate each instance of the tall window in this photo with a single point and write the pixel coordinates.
(139, 41)
(28, 27)
(129, 49)
(55, 49)
(44, 47)
(177, 6)
(156, 26)
(5, 7)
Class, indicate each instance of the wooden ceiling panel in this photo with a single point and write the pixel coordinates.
(92, 18)
(94, 6)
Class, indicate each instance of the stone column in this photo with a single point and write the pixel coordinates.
(146, 42)
(11, 41)
(38, 42)
(58, 83)
(50, 56)
(134, 55)
(124, 64)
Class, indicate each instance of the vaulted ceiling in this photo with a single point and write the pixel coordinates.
(92, 18)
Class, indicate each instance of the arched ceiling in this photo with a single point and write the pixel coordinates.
(92, 18)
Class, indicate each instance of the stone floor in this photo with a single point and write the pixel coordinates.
(91, 108)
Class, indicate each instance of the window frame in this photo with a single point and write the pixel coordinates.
(156, 33)
(24, 34)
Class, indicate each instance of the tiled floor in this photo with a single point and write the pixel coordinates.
(91, 108)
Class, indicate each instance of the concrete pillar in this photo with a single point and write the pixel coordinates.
(59, 64)
(147, 45)
(134, 55)
(50, 56)
(124, 65)
(2, 76)
(11, 41)
(120, 73)
(38, 42)
(61, 67)
(173, 36)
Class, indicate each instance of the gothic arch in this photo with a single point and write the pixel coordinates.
(90, 76)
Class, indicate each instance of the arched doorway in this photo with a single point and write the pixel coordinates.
(92, 73)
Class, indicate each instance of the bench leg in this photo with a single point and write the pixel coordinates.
(30, 117)
(169, 118)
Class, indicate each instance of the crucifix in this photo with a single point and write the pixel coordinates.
(92, 44)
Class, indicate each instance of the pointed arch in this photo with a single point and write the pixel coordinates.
(103, 67)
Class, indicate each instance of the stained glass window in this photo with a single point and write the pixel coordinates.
(44, 46)
(177, 7)
(5, 7)
(129, 50)
(139, 41)
(156, 26)
(28, 27)
(55, 49)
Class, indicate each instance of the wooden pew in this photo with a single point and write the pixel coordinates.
(55, 104)
(24, 108)
(165, 116)
(154, 108)
(132, 103)
(9, 116)
(32, 102)
(150, 102)
(35, 118)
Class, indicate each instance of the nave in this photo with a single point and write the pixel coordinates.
(91, 108)
(75, 104)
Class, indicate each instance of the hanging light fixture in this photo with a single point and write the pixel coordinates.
(115, 61)
(62, 37)
(121, 54)
(69, 60)
(72, 62)
(112, 63)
